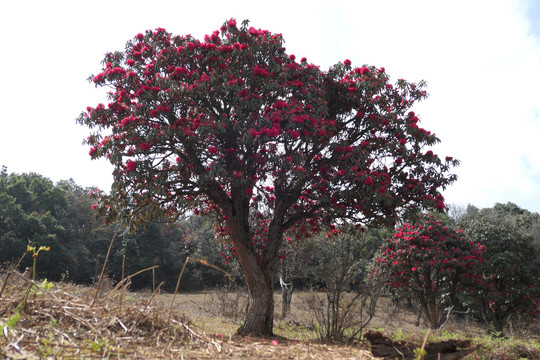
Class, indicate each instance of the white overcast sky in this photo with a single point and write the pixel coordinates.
(481, 60)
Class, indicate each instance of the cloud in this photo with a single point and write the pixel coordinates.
(481, 60)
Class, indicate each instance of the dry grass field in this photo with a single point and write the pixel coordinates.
(62, 320)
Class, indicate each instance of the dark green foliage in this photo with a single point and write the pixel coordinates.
(11, 218)
(34, 211)
(198, 241)
(29, 207)
(315, 261)
(347, 301)
(511, 285)
(168, 246)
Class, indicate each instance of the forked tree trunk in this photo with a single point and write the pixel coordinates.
(431, 312)
(258, 269)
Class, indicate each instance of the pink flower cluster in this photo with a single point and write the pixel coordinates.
(260, 71)
(423, 256)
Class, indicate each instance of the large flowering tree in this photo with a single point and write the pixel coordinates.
(235, 126)
(430, 263)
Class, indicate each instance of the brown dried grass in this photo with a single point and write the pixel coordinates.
(61, 322)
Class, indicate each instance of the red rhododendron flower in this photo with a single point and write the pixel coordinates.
(181, 70)
(210, 47)
(254, 31)
(369, 181)
(145, 146)
(131, 166)
(232, 23)
(212, 150)
(347, 62)
(226, 49)
(440, 205)
(98, 78)
(417, 260)
(260, 71)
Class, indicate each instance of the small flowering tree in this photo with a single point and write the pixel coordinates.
(235, 126)
(429, 263)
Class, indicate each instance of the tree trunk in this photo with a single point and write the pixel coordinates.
(258, 265)
(260, 311)
(432, 314)
(287, 289)
(259, 319)
(286, 297)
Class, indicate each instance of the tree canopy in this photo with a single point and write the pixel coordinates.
(234, 125)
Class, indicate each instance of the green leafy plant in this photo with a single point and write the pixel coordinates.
(45, 347)
(13, 320)
(35, 253)
(99, 345)
(399, 335)
(44, 285)
(419, 353)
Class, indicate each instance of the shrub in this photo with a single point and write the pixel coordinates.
(431, 264)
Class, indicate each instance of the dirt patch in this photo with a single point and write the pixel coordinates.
(388, 349)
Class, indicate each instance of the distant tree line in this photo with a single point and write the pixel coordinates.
(35, 211)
